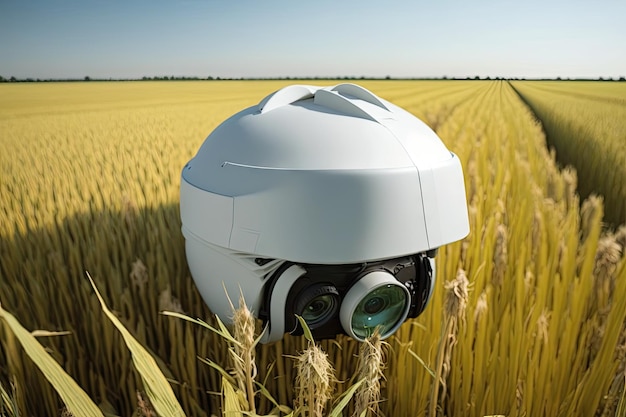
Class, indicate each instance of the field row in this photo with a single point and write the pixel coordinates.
(585, 124)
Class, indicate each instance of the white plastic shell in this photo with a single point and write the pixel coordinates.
(323, 175)
(313, 175)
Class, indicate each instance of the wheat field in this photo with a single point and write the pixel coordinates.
(584, 124)
(89, 179)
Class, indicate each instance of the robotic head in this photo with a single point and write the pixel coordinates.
(328, 203)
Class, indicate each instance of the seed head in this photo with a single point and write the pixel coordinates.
(543, 324)
(315, 377)
(592, 210)
(243, 353)
(500, 256)
(571, 180)
(167, 302)
(371, 366)
(481, 307)
(457, 295)
(607, 257)
(139, 274)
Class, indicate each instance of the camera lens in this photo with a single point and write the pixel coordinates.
(373, 305)
(319, 309)
(383, 308)
(317, 304)
(377, 300)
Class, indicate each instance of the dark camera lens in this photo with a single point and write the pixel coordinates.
(317, 304)
(318, 309)
(374, 305)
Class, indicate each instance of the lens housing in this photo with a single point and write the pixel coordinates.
(375, 300)
(302, 289)
(317, 304)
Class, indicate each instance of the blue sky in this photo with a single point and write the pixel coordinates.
(129, 39)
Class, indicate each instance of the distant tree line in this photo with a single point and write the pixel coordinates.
(13, 79)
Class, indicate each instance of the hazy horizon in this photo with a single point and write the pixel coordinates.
(200, 38)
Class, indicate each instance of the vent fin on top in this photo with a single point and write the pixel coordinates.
(359, 92)
(285, 96)
(347, 99)
(340, 103)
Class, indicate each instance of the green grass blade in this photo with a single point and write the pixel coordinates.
(8, 405)
(620, 411)
(282, 408)
(307, 332)
(156, 385)
(75, 399)
(218, 368)
(421, 361)
(222, 331)
(345, 399)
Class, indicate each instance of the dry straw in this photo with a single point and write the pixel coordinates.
(370, 371)
(315, 379)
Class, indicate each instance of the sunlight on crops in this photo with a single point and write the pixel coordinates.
(89, 180)
(585, 124)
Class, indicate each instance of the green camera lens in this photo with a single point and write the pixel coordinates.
(377, 300)
(383, 307)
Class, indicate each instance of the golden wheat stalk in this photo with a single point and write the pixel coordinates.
(455, 303)
(370, 370)
(243, 353)
(315, 377)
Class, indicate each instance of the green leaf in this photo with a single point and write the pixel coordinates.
(8, 404)
(345, 399)
(420, 360)
(156, 385)
(218, 368)
(223, 332)
(75, 399)
(266, 393)
(307, 332)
